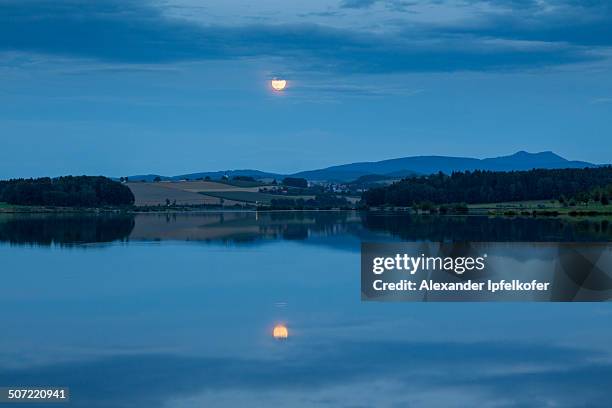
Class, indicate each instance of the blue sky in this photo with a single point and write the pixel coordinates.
(126, 87)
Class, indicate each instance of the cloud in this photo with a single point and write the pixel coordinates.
(326, 13)
(602, 100)
(393, 5)
(585, 23)
(136, 33)
(402, 6)
(356, 4)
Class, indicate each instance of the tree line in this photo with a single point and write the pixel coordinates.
(480, 186)
(320, 201)
(66, 229)
(483, 228)
(67, 191)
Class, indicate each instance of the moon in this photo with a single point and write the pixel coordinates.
(278, 84)
(280, 332)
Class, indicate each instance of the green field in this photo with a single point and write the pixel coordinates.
(10, 208)
(542, 205)
(519, 205)
(251, 196)
(241, 183)
(6, 207)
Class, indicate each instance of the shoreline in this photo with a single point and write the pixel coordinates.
(499, 212)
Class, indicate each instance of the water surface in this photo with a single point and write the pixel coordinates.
(177, 310)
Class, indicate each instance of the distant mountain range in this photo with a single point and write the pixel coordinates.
(215, 175)
(402, 167)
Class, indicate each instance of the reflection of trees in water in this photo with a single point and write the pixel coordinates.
(243, 227)
(65, 229)
(299, 225)
(481, 228)
(248, 227)
(317, 217)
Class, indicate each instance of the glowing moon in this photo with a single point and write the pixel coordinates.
(278, 84)
(280, 332)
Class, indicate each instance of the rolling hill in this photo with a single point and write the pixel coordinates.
(407, 166)
(215, 175)
(403, 167)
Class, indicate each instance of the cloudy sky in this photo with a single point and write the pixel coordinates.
(121, 87)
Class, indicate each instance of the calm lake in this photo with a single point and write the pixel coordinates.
(177, 310)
